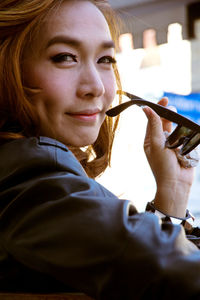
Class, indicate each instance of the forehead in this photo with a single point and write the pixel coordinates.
(78, 17)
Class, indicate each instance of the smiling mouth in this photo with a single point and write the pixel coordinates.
(85, 116)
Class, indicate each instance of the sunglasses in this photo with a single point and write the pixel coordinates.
(187, 132)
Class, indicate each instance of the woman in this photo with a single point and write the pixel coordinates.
(61, 230)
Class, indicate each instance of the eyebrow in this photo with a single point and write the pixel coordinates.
(61, 39)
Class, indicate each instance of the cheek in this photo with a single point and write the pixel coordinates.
(53, 88)
(46, 77)
(110, 88)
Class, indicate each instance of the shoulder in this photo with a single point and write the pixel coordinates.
(41, 152)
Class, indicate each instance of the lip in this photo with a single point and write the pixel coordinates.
(89, 115)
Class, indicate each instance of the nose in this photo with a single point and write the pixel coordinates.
(90, 82)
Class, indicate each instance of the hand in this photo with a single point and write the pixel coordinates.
(173, 181)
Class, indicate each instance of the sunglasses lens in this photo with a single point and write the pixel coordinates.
(178, 136)
(190, 143)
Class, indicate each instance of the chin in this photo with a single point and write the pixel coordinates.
(84, 143)
(79, 142)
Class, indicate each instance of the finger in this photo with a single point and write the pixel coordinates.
(167, 125)
(154, 134)
(154, 123)
(164, 101)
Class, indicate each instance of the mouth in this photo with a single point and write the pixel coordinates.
(85, 115)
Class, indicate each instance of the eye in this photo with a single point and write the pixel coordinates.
(64, 57)
(107, 60)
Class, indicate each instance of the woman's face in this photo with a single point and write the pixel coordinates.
(71, 63)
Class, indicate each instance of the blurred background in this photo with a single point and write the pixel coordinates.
(158, 55)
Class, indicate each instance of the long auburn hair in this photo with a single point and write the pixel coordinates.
(19, 21)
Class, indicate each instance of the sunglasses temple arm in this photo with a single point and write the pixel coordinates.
(119, 108)
(163, 112)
